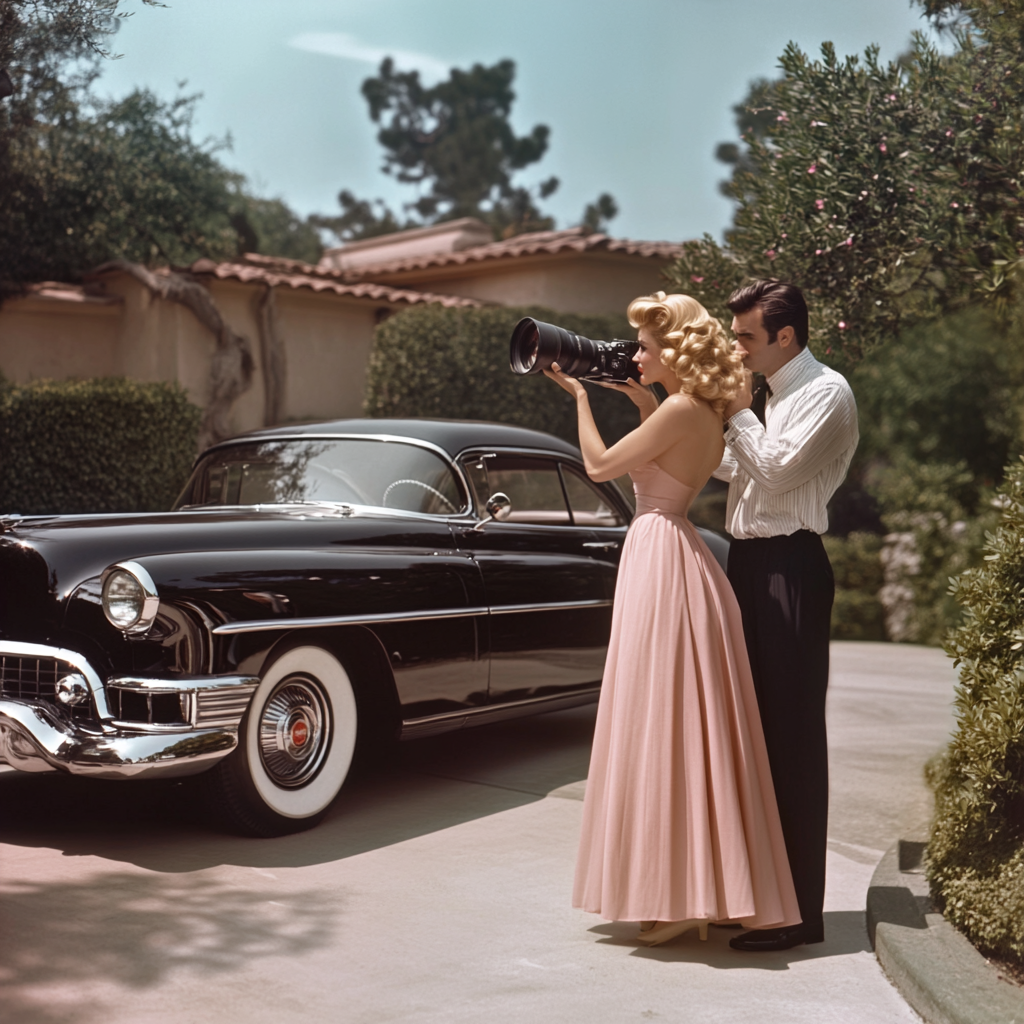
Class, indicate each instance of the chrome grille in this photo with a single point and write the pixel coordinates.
(31, 678)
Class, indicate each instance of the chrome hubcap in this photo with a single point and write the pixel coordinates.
(294, 731)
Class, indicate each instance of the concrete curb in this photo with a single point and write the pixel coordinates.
(939, 973)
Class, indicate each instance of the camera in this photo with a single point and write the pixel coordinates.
(535, 345)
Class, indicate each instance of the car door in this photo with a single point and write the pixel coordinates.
(547, 585)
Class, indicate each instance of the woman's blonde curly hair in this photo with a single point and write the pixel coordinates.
(694, 345)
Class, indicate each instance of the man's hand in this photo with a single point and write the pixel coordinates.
(742, 398)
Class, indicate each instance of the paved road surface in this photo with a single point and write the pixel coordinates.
(437, 891)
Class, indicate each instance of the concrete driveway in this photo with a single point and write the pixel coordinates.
(436, 891)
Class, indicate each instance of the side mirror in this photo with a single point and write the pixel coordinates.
(498, 508)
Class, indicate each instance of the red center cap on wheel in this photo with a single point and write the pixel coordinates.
(300, 733)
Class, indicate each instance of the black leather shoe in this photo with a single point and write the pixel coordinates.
(771, 940)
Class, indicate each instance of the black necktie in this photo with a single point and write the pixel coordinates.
(760, 396)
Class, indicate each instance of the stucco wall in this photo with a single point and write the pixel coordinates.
(576, 283)
(53, 338)
(326, 339)
(328, 346)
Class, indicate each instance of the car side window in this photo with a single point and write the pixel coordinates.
(588, 505)
(532, 484)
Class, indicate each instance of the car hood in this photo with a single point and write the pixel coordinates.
(43, 560)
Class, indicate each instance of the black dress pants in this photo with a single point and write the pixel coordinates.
(785, 590)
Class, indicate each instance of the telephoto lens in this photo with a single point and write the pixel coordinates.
(535, 345)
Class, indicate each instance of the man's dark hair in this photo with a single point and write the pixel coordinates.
(781, 305)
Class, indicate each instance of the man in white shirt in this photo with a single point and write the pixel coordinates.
(782, 471)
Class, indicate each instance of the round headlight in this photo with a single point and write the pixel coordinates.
(123, 599)
(129, 598)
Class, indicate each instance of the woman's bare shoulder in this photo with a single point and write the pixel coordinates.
(689, 406)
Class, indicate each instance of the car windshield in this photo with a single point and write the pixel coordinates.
(359, 471)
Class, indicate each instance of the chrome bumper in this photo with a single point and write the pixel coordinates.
(33, 738)
(38, 736)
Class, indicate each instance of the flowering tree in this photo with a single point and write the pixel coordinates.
(890, 192)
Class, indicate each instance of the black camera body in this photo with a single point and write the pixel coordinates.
(535, 345)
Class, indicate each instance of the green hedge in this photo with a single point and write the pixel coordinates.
(976, 850)
(105, 445)
(453, 363)
(857, 613)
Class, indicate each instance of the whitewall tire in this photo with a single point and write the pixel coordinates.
(295, 746)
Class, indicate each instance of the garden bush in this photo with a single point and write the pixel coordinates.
(857, 613)
(104, 445)
(976, 850)
(453, 364)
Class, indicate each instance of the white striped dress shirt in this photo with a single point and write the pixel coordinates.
(782, 475)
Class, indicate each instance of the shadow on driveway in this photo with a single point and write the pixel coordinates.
(133, 930)
(429, 785)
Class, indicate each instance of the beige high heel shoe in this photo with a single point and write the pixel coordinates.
(663, 931)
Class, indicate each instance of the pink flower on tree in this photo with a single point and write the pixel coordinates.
(819, 203)
(696, 278)
(770, 253)
(842, 325)
(881, 147)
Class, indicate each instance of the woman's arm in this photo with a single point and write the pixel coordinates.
(643, 398)
(662, 428)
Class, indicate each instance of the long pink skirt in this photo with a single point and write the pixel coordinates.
(680, 819)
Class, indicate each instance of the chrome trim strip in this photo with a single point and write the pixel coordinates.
(386, 618)
(79, 661)
(466, 718)
(550, 606)
(182, 684)
(259, 625)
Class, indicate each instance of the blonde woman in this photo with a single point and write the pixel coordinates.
(680, 824)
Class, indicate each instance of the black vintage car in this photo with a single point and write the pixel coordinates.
(317, 589)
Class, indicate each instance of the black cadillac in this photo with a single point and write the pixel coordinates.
(317, 589)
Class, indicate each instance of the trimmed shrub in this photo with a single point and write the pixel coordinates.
(976, 851)
(857, 613)
(453, 364)
(105, 445)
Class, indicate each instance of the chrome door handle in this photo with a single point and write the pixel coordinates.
(603, 545)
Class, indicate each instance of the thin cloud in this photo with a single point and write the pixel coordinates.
(346, 47)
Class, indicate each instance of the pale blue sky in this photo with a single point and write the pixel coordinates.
(637, 92)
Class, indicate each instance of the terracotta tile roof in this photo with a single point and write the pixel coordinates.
(531, 244)
(294, 274)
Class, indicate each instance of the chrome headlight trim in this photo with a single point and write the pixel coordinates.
(150, 598)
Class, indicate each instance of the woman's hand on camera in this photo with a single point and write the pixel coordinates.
(643, 398)
(563, 380)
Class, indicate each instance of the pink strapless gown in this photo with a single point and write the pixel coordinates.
(680, 819)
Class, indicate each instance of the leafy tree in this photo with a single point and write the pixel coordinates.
(754, 116)
(891, 192)
(454, 142)
(453, 138)
(598, 213)
(87, 180)
(120, 180)
(360, 218)
(272, 227)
